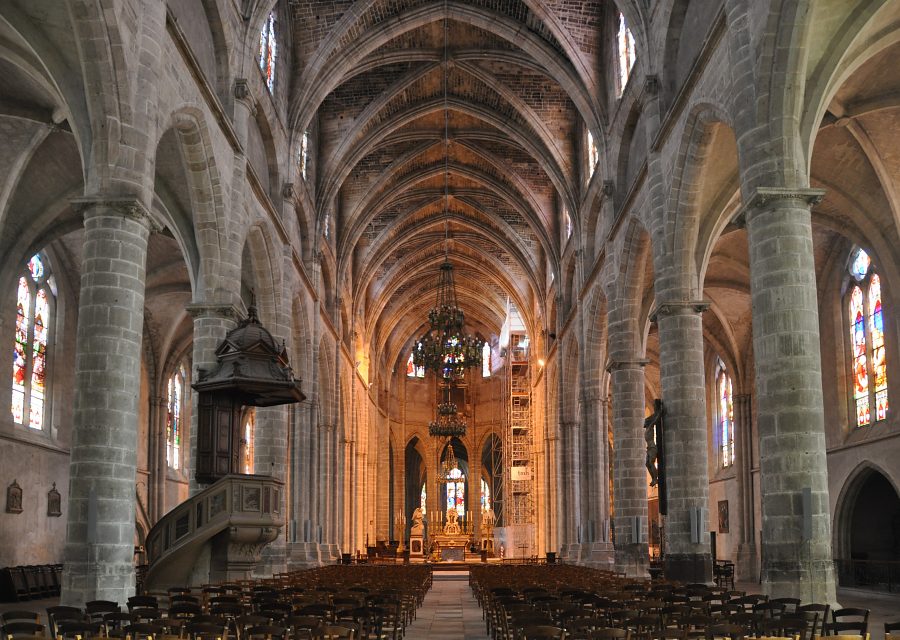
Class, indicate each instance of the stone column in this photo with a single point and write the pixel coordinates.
(570, 490)
(212, 320)
(159, 465)
(270, 459)
(596, 549)
(687, 555)
(796, 534)
(632, 553)
(743, 454)
(99, 553)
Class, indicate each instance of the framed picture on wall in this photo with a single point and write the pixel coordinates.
(723, 516)
(14, 498)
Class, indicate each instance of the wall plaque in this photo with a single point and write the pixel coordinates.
(54, 503)
(14, 498)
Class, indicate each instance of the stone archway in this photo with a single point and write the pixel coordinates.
(867, 528)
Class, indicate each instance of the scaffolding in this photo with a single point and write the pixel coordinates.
(520, 435)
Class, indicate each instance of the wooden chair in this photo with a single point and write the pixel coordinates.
(22, 628)
(731, 631)
(844, 637)
(60, 613)
(265, 632)
(610, 633)
(144, 631)
(790, 604)
(143, 601)
(817, 614)
(335, 632)
(24, 616)
(543, 632)
(78, 629)
(848, 627)
(889, 629)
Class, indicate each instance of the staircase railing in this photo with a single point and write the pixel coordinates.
(246, 507)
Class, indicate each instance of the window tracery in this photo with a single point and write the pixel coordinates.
(175, 408)
(412, 371)
(593, 154)
(456, 491)
(34, 301)
(268, 51)
(625, 46)
(867, 340)
(725, 413)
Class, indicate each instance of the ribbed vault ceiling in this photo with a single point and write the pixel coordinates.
(519, 81)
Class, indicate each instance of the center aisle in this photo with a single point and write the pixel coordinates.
(449, 611)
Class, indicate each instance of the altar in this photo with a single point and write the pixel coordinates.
(451, 543)
(451, 547)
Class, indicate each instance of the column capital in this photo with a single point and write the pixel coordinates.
(632, 363)
(242, 94)
(224, 310)
(763, 196)
(678, 307)
(126, 207)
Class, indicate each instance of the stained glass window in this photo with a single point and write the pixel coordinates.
(268, 51)
(422, 499)
(625, 43)
(34, 300)
(174, 420)
(860, 369)
(485, 495)
(412, 371)
(593, 154)
(725, 413)
(867, 341)
(568, 220)
(304, 155)
(879, 366)
(456, 491)
(247, 442)
(486, 361)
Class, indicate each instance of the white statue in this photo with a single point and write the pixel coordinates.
(451, 528)
(417, 522)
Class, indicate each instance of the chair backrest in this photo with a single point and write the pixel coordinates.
(849, 627)
(844, 637)
(264, 632)
(733, 631)
(840, 615)
(79, 629)
(145, 630)
(22, 628)
(333, 631)
(543, 632)
(889, 629)
(26, 616)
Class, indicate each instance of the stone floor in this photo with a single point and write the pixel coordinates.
(449, 612)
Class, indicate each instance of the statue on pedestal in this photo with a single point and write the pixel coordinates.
(451, 528)
(417, 526)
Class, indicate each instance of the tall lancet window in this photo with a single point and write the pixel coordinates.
(867, 340)
(456, 491)
(247, 445)
(268, 51)
(625, 45)
(422, 497)
(174, 418)
(725, 413)
(304, 156)
(593, 154)
(34, 308)
(412, 371)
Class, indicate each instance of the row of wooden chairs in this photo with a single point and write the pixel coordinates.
(583, 604)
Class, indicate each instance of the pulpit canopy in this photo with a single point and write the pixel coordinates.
(252, 367)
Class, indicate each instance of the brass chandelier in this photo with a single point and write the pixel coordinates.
(445, 348)
(448, 422)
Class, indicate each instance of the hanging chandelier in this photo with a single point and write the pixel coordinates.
(448, 422)
(445, 348)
